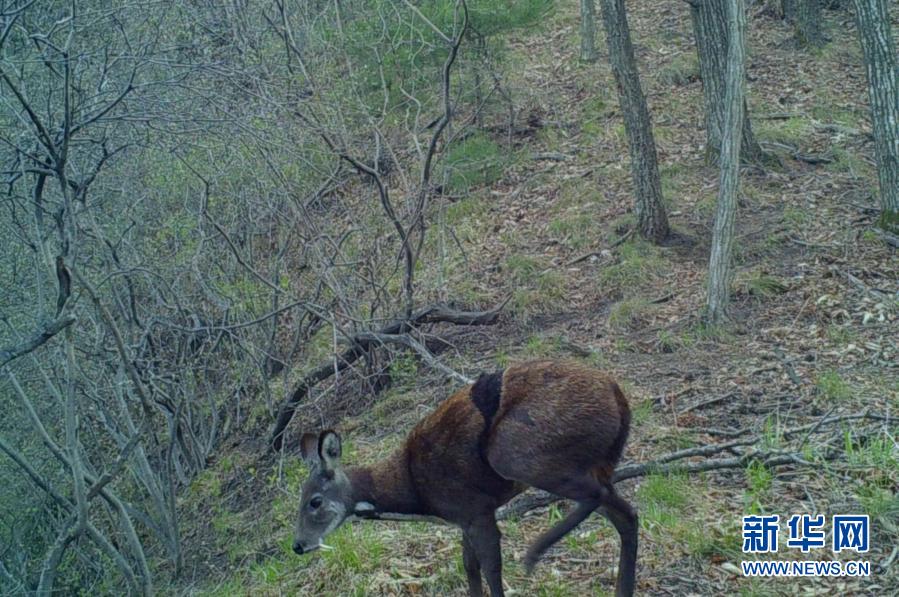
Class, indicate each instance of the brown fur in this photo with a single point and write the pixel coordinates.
(559, 426)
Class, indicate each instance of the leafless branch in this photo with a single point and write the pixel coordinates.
(338, 363)
(40, 338)
(418, 348)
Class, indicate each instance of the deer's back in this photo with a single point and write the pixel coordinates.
(556, 418)
(491, 439)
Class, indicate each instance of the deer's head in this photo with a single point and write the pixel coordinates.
(326, 498)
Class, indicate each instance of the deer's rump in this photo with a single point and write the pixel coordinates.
(555, 417)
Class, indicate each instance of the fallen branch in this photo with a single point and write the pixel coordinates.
(887, 237)
(704, 403)
(842, 129)
(778, 116)
(868, 290)
(586, 256)
(805, 243)
(418, 347)
(362, 343)
(802, 157)
(552, 156)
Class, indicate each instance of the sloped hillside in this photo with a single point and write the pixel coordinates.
(814, 332)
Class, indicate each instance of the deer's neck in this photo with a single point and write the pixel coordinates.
(385, 488)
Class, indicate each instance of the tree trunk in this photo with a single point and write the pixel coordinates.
(806, 18)
(588, 31)
(711, 34)
(652, 222)
(883, 91)
(720, 267)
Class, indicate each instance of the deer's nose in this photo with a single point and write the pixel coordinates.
(298, 548)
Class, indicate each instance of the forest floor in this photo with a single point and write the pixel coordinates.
(814, 333)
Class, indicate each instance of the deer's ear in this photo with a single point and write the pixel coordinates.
(329, 450)
(309, 448)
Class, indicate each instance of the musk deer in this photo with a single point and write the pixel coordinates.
(556, 426)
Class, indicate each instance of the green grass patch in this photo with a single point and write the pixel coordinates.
(678, 181)
(357, 549)
(841, 335)
(581, 542)
(639, 262)
(540, 346)
(850, 53)
(472, 206)
(476, 161)
(772, 434)
(624, 345)
(641, 412)
(706, 541)
(832, 387)
(796, 217)
(268, 572)
(596, 113)
(792, 131)
(538, 287)
(668, 341)
(753, 587)
(682, 70)
(826, 112)
(670, 491)
(554, 514)
(702, 332)
(394, 404)
(706, 205)
(847, 161)
(573, 230)
(759, 284)
(759, 481)
(554, 587)
(502, 358)
(878, 502)
(774, 241)
(206, 485)
(662, 499)
(522, 268)
(628, 312)
(879, 453)
(404, 369)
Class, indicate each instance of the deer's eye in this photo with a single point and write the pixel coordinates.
(316, 502)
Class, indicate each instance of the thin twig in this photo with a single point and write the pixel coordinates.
(586, 256)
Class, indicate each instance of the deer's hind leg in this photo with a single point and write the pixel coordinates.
(565, 526)
(590, 493)
(623, 517)
(586, 491)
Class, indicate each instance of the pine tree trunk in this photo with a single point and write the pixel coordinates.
(806, 18)
(588, 31)
(883, 91)
(711, 34)
(720, 266)
(652, 222)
